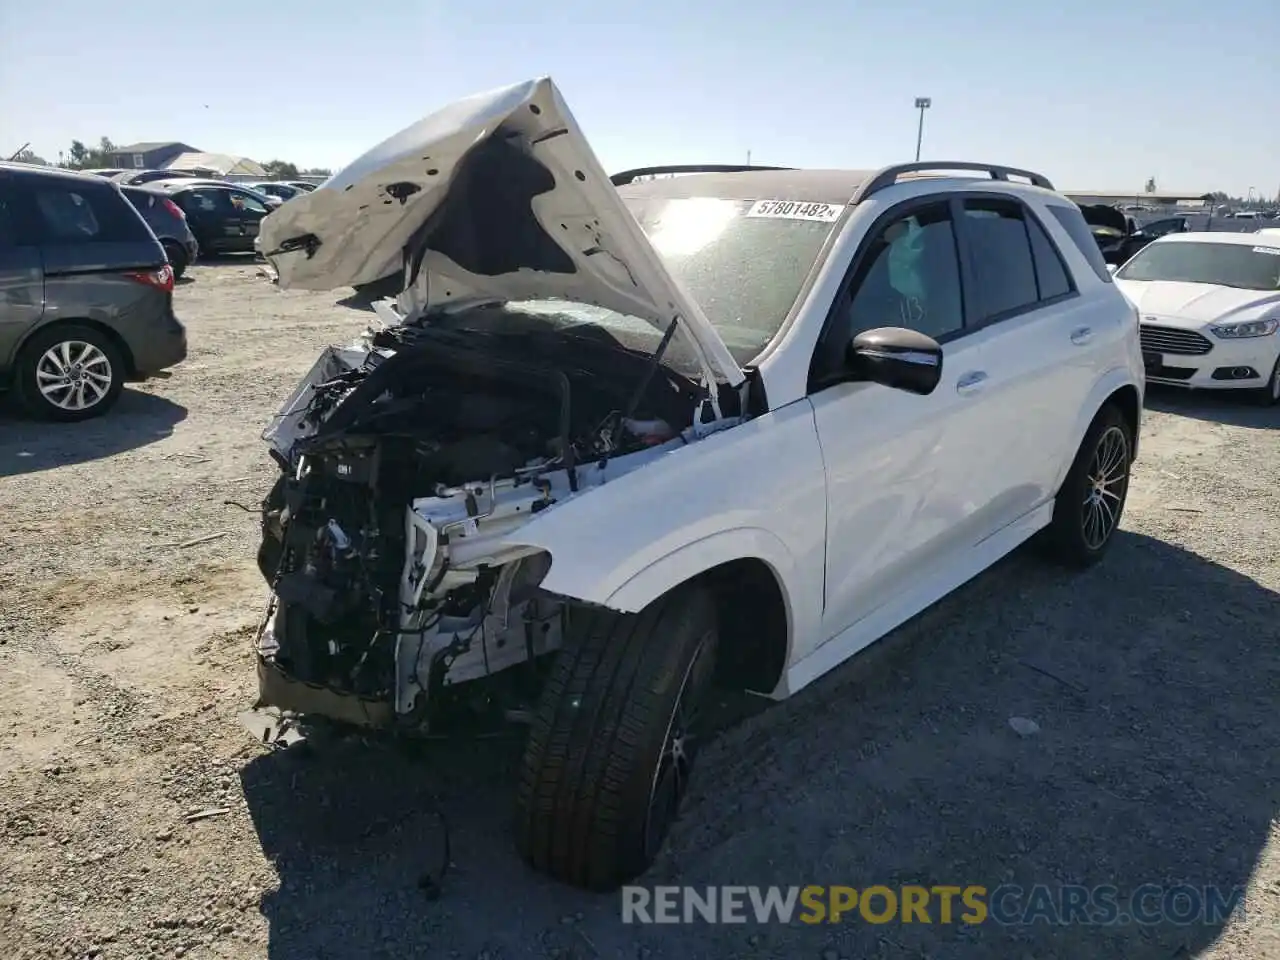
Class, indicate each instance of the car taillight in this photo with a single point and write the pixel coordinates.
(161, 279)
(173, 208)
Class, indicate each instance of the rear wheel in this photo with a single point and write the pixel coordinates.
(177, 257)
(614, 739)
(69, 373)
(1091, 501)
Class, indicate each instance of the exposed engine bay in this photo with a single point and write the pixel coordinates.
(406, 462)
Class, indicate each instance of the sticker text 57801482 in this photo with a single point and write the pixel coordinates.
(796, 210)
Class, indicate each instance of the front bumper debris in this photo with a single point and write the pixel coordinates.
(277, 689)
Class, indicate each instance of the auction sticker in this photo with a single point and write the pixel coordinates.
(796, 210)
(1274, 251)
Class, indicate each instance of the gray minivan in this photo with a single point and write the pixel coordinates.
(86, 294)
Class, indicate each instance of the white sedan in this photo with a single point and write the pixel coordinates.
(1209, 310)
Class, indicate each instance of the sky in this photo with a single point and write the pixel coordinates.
(1095, 95)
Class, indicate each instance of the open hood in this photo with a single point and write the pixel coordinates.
(495, 197)
(1101, 215)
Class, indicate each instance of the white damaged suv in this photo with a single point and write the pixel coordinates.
(619, 440)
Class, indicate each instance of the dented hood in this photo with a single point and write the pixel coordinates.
(494, 197)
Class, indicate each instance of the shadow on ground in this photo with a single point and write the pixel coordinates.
(29, 446)
(1227, 406)
(1154, 764)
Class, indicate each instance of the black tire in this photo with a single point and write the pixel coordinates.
(621, 690)
(177, 257)
(1074, 536)
(31, 361)
(1269, 396)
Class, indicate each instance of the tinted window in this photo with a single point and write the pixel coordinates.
(909, 277)
(1051, 274)
(1000, 252)
(8, 229)
(76, 213)
(141, 200)
(1160, 227)
(246, 202)
(1224, 264)
(1072, 221)
(204, 201)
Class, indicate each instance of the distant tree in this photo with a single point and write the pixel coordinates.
(280, 170)
(317, 172)
(79, 156)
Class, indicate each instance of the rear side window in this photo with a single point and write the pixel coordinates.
(1051, 273)
(1000, 252)
(141, 200)
(1072, 221)
(74, 214)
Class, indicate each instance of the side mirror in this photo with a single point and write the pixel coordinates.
(896, 357)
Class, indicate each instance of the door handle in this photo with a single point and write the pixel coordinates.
(1081, 335)
(971, 383)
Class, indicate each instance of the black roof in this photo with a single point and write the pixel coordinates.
(809, 186)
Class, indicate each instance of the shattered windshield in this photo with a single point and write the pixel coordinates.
(742, 261)
(1222, 264)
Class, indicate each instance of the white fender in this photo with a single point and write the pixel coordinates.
(1112, 381)
(755, 490)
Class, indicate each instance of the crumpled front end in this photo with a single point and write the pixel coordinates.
(410, 462)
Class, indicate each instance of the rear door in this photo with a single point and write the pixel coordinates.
(21, 278)
(1040, 337)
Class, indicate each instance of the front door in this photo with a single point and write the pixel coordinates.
(249, 211)
(904, 472)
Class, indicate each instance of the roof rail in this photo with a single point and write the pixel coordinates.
(888, 176)
(630, 176)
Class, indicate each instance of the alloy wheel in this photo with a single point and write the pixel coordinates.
(74, 375)
(1105, 484)
(679, 747)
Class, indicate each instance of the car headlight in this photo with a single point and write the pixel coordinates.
(1247, 328)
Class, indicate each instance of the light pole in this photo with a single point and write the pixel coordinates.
(922, 104)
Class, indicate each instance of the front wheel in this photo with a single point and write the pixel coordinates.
(1091, 501)
(1269, 396)
(69, 373)
(614, 738)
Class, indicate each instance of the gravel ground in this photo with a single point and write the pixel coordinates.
(124, 661)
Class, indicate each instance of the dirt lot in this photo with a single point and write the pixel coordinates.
(124, 661)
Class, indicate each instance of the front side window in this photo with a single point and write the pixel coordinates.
(1222, 264)
(908, 277)
(246, 203)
